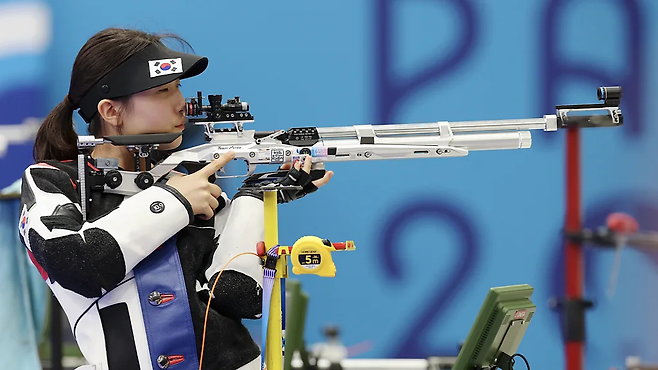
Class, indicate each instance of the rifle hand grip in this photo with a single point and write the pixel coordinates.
(193, 167)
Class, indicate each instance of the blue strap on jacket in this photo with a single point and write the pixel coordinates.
(166, 311)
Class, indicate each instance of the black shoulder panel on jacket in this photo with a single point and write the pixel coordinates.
(236, 295)
(27, 195)
(51, 181)
(83, 266)
(66, 216)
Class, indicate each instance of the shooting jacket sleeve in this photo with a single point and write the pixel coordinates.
(239, 227)
(91, 257)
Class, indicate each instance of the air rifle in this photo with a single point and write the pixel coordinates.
(325, 144)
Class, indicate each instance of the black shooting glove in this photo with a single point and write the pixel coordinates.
(292, 184)
(295, 177)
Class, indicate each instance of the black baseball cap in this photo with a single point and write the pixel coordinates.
(155, 65)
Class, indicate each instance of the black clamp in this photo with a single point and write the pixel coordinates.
(573, 322)
(270, 262)
(96, 176)
(96, 179)
(92, 177)
(601, 237)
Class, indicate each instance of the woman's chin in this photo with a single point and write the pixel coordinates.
(173, 145)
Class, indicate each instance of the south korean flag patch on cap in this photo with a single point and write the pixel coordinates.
(163, 67)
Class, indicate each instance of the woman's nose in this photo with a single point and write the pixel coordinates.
(180, 103)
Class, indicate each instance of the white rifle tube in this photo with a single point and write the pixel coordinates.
(547, 123)
(493, 141)
(401, 129)
(479, 141)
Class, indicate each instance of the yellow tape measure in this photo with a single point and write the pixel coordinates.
(312, 255)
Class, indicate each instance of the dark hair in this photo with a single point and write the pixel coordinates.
(104, 51)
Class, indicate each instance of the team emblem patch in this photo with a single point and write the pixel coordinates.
(157, 207)
(163, 67)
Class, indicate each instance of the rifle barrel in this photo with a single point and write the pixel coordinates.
(499, 125)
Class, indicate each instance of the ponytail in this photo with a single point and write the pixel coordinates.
(56, 138)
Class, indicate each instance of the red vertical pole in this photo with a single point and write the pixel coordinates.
(573, 254)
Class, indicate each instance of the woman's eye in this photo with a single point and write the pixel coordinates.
(167, 89)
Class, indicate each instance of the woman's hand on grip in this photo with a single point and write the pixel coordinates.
(199, 192)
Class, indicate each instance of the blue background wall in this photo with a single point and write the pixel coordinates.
(24, 75)
(433, 235)
(25, 34)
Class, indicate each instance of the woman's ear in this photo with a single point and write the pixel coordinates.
(109, 112)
